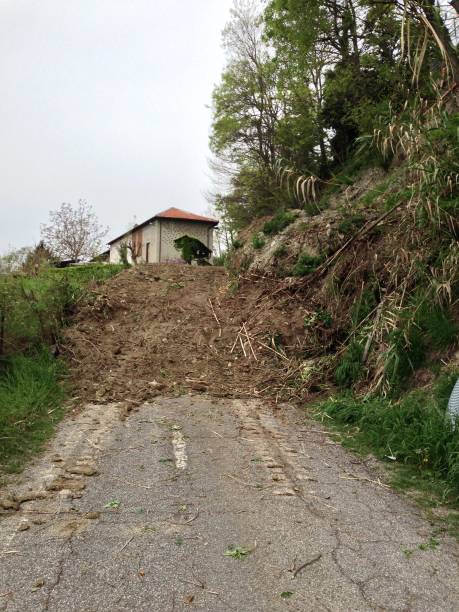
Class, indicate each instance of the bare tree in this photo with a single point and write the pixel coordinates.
(74, 232)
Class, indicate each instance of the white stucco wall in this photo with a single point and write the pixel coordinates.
(114, 249)
(150, 235)
(168, 231)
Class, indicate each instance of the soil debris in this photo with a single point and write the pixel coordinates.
(182, 334)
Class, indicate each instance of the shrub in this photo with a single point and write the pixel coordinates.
(237, 244)
(123, 254)
(192, 249)
(351, 223)
(258, 242)
(306, 264)
(278, 223)
(398, 197)
(312, 208)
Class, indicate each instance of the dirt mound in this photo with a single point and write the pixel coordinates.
(169, 328)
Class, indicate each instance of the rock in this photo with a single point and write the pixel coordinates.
(39, 582)
(157, 385)
(24, 526)
(65, 494)
(84, 470)
(7, 503)
(199, 387)
(30, 496)
(61, 482)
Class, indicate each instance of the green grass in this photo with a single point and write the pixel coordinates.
(36, 307)
(350, 368)
(32, 389)
(306, 264)
(258, 242)
(411, 432)
(279, 222)
(32, 395)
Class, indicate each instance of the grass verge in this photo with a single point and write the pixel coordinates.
(33, 310)
(409, 434)
(32, 394)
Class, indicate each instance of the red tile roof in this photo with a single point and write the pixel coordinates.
(171, 213)
(176, 213)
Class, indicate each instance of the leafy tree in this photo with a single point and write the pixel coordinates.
(37, 258)
(254, 122)
(306, 79)
(74, 232)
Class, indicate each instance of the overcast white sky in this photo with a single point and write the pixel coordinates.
(105, 100)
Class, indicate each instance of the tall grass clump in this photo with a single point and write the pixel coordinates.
(31, 402)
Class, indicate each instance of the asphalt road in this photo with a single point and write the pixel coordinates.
(200, 504)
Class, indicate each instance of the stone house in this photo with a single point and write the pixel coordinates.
(153, 240)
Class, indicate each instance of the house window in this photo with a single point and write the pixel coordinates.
(147, 252)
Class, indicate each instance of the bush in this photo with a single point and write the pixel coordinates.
(258, 242)
(123, 250)
(237, 244)
(367, 302)
(306, 264)
(413, 430)
(278, 223)
(192, 249)
(351, 223)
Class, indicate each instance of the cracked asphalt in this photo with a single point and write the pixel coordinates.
(137, 513)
